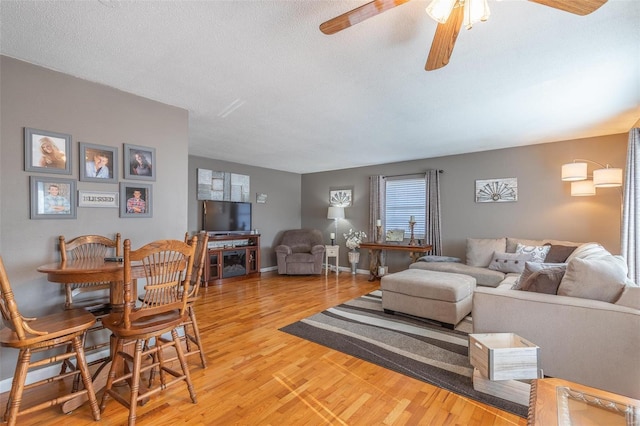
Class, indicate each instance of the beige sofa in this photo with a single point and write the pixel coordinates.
(588, 341)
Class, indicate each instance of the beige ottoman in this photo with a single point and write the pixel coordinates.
(442, 296)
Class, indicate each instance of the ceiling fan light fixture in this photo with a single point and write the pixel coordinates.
(440, 10)
(475, 11)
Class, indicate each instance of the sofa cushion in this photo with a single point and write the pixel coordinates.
(483, 276)
(602, 278)
(630, 297)
(538, 253)
(513, 242)
(509, 262)
(480, 250)
(533, 267)
(546, 280)
(558, 253)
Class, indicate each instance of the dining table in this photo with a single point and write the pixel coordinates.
(93, 269)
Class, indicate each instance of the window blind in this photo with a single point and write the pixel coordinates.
(405, 197)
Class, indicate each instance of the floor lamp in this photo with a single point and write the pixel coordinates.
(335, 213)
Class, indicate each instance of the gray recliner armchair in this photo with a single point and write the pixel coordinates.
(301, 252)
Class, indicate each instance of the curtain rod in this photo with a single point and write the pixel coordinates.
(410, 174)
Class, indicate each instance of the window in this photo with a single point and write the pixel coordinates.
(405, 197)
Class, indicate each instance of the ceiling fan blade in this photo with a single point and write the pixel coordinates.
(445, 40)
(579, 7)
(358, 14)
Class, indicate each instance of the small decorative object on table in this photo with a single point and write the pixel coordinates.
(332, 237)
(378, 231)
(412, 223)
(353, 240)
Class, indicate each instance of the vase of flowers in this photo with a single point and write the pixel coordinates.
(353, 240)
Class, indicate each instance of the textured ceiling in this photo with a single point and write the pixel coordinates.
(265, 87)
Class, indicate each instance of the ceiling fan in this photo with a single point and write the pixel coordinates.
(450, 15)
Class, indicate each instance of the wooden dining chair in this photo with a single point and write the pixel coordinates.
(34, 335)
(91, 296)
(191, 332)
(165, 267)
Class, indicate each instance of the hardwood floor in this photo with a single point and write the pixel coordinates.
(257, 375)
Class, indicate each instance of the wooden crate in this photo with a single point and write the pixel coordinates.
(511, 390)
(503, 356)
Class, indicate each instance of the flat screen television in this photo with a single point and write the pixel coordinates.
(226, 217)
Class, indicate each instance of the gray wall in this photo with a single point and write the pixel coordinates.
(43, 99)
(544, 208)
(280, 212)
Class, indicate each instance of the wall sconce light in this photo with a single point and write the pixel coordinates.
(576, 173)
(335, 213)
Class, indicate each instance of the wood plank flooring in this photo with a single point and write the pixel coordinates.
(258, 375)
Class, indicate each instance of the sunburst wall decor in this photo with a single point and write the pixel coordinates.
(497, 190)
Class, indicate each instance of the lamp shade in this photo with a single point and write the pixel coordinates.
(335, 213)
(574, 171)
(440, 9)
(475, 11)
(582, 188)
(607, 177)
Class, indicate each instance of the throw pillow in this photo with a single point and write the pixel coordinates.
(538, 253)
(588, 251)
(545, 280)
(558, 253)
(480, 250)
(533, 267)
(602, 278)
(509, 262)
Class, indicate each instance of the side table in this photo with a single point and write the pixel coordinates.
(500, 361)
(331, 251)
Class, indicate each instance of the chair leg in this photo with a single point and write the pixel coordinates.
(183, 364)
(81, 362)
(135, 381)
(196, 333)
(17, 387)
(116, 365)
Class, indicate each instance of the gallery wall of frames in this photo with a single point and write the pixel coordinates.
(52, 155)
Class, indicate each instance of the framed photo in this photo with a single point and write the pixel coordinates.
(47, 152)
(98, 163)
(97, 199)
(52, 198)
(261, 198)
(497, 190)
(139, 162)
(341, 197)
(136, 200)
(395, 235)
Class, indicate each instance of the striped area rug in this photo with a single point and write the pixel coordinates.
(418, 348)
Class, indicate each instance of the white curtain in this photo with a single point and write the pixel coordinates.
(433, 231)
(631, 207)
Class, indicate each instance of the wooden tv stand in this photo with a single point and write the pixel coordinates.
(232, 257)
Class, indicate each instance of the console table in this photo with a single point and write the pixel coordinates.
(376, 249)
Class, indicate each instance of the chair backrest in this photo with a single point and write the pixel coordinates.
(86, 246)
(9, 308)
(166, 267)
(199, 258)
(301, 240)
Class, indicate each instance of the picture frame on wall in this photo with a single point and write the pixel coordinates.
(98, 163)
(52, 198)
(136, 200)
(501, 190)
(341, 197)
(139, 162)
(46, 151)
(98, 199)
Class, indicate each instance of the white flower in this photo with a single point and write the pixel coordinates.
(354, 238)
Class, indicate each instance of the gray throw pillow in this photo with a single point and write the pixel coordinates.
(533, 267)
(546, 280)
(558, 253)
(509, 262)
(602, 278)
